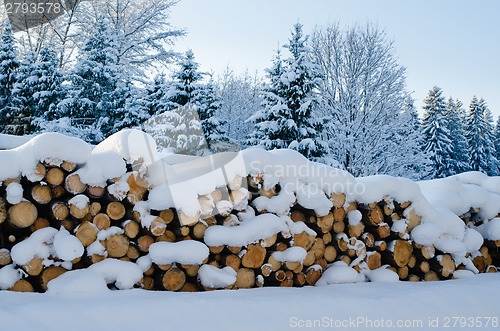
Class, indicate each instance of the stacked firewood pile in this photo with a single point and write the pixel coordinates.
(364, 236)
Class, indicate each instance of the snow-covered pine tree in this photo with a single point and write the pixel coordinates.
(177, 126)
(23, 108)
(8, 67)
(265, 119)
(209, 105)
(479, 135)
(97, 93)
(454, 116)
(489, 140)
(497, 139)
(37, 91)
(154, 95)
(439, 142)
(288, 120)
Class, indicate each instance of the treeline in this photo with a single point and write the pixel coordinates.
(337, 96)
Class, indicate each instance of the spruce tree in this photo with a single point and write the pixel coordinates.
(97, 94)
(489, 140)
(497, 139)
(288, 119)
(8, 67)
(23, 107)
(176, 125)
(454, 117)
(209, 105)
(479, 135)
(439, 142)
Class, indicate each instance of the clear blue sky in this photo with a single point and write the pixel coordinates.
(454, 44)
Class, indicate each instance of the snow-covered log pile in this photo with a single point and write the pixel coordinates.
(73, 218)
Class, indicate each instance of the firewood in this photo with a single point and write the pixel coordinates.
(174, 279)
(412, 262)
(356, 231)
(138, 186)
(216, 249)
(234, 249)
(339, 214)
(96, 192)
(338, 227)
(383, 230)
(117, 246)
(405, 204)
(426, 252)
(318, 248)
(164, 267)
(352, 206)
(342, 242)
(147, 283)
(424, 266)
(413, 220)
(327, 238)
(4, 257)
(74, 185)
(299, 279)
(167, 215)
(132, 229)
(42, 194)
(49, 274)
(491, 268)
(22, 285)
(266, 270)
(368, 239)
(280, 275)
(54, 176)
(295, 267)
(23, 214)
(413, 278)
(325, 223)
(34, 267)
(304, 240)
(275, 265)
(322, 262)
(39, 173)
(297, 216)
(486, 254)
(401, 252)
(58, 192)
(268, 242)
(373, 260)
(254, 256)
(375, 215)
(101, 221)
(115, 210)
(184, 231)
(79, 210)
(330, 254)
(158, 227)
(95, 258)
(40, 223)
(68, 166)
(233, 261)
(133, 252)
(245, 278)
(443, 265)
(86, 233)
(480, 263)
(313, 274)
(380, 246)
(189, 287)
(68, 225)
(338, 199)
(191, 270)
(144, 242)
(216, 195)
(431, 276)
(3, 210)
(168, 236)
(95, 208)
(184, 219)
(403, 272)
(268, 193)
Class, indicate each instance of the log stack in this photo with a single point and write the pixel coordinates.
(365, 236)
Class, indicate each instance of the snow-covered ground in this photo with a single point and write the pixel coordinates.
(455, 304)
